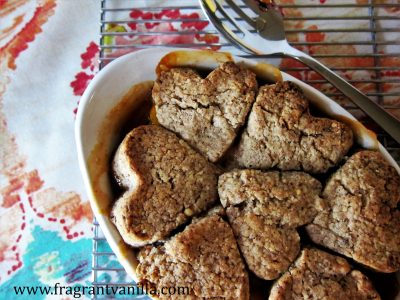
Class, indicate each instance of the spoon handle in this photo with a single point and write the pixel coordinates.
(385, 120)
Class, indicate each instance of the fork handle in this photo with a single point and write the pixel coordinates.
(388, 122)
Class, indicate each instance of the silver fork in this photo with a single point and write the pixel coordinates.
(268, 37)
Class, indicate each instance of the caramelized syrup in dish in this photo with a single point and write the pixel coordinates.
(204, 58)
(360, 132)
(266, 72)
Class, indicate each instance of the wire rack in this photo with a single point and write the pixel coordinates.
(358, 39)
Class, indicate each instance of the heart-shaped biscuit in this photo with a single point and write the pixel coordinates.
(281, 133)
(319, 275)
(264, 210)
(166, 183)
(204, 258)
(363, 219)
(206, 113)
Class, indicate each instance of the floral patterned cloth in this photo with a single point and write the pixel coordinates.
(48, 54)
(48, 51)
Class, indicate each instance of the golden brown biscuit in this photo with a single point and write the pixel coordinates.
(204, 258)
(166, 184)
(363, 216)
(207, 113)
(264, 210)
(320, 275)
(281, 133)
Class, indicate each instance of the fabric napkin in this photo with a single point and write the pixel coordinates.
(48, 52)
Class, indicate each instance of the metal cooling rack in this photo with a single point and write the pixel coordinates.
(369, 23)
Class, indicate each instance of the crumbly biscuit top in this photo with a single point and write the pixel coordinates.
(285, 199)
(363, 216)
(208, 112)
(320, 275)
(281, 133)
(167, 183)
(204, 257)
(264, 210)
